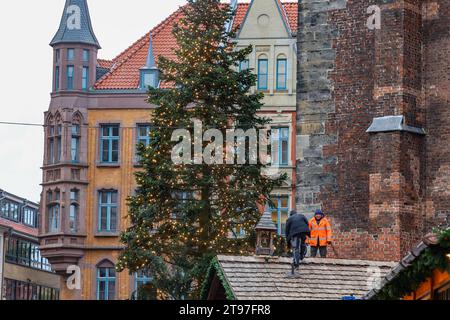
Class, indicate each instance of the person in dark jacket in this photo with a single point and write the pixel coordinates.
(296, 232)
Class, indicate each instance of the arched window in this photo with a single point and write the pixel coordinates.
(106, 281)
(76, 138)
(281, 72)
(263, 72)
(143, 285)
(74, 210)
(53, 211)
(54, 139)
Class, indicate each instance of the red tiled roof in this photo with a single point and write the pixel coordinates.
(125, 67)
(19, 227)
(107, 64)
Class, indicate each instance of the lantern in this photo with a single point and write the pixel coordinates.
(265, 230)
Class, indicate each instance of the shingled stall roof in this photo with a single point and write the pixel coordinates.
(123, 71)
(267, 278)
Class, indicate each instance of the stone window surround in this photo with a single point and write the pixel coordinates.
(98, 161)
(96, 213)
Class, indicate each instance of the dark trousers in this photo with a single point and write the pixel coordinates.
(298, 244)
(322, 250)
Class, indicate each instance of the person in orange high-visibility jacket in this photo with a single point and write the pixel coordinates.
(320, 234)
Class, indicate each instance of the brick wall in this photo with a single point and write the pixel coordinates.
(377, 188)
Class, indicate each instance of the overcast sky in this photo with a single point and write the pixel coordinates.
(26, 28)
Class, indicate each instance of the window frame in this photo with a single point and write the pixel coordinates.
(280, 162)
(110, 138)
(85, 78)
(86, 55)
(109, 205)
(146, 140)
(70, 57)
(70, 77)
(244, 61)
(282, 74)
(280, 210)
(260, 87)
(75, 137)
(107, 280)
(57, 78)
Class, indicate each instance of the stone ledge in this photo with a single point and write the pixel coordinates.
(393, 123)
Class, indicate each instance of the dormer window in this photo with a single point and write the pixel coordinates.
(70, 54)
(149, 78)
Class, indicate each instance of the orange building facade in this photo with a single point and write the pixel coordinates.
(436, 287)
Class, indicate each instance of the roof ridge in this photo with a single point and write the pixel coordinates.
(257, 259)
(137, 45)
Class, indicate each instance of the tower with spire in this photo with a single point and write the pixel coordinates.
(65, 167)
(75, 49)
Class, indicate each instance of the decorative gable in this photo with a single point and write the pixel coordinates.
(265, 19)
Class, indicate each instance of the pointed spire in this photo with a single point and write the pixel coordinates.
(150, 64)
(75, 25)
(233, 6)
(150, 72)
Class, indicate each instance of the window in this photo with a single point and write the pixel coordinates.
(86, 55)
(75, 143)
(149, 79)
(74, 195)
(29, 216)
(280, 146)
(73, 218)
(70, 54)
(281, 74)
(57, 55)
(237, 229)
(9, 210)
(109, 144)
(263, 70)
(53, 218)
(143, 136)
(25, 253)
(280, 212)
(70, 71)
(57, 79)
(73, 210)
(85, 78)
(181, 198)
(142, 280)
(106, 282)
(19, 290)
(107, 221)
(54, 143)
(243, 65)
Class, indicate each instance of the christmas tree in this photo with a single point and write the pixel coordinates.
(184, 214)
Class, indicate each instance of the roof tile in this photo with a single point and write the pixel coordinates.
(124, 73)
(257, 277)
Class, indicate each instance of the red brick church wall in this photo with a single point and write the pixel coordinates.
(377, 188)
